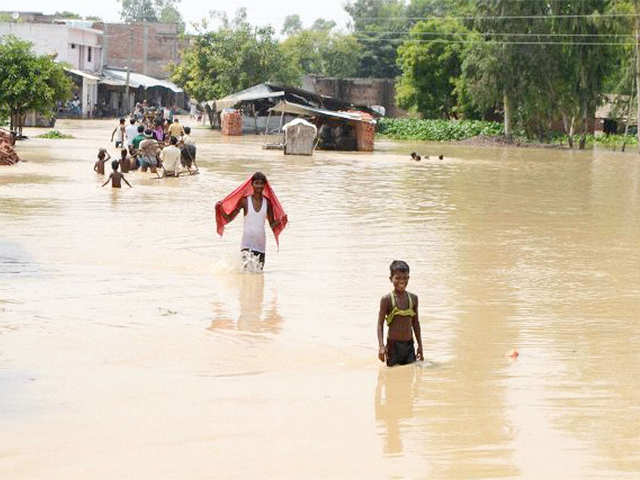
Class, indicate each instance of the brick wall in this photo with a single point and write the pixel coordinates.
(359, 91)
(153, 46)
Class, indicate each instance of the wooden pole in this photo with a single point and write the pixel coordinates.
(637, 72)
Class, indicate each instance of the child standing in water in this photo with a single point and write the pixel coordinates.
(124, 161)
(103, 157)
(115, 176)
(399, 310)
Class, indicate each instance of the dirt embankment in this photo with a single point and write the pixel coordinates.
(8, 155)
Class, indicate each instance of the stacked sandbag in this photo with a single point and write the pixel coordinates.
(8, 155)
(365, 132)
(231, 122)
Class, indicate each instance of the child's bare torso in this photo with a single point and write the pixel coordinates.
(116, 178)
(100, 164)
(401, 327)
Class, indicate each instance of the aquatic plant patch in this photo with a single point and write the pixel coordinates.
(55, 134)
(437, 130)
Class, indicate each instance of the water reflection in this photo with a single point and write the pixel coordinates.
(252, 315)
(395, 396)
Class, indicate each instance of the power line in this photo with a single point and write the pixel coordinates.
(507, 17)
(410, 33)
(500, 42)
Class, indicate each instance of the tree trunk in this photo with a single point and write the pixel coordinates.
(585, 116)
(626, 121)
(585, 126)
(507, 117)
(568, 128)
(637, 48)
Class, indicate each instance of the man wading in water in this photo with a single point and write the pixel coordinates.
(258, 202)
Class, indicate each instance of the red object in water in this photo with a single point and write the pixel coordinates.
(230, 202)
(513, 354)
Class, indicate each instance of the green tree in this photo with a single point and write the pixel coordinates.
(431, 61)
(234, 57)
(66, 14)
(139, 11)
(320, 24)
(292, 24)
(378, 25)
(152, 11)
(7, 18)
(322, 53)
(29, 81)
(584, 67)
(170, 14)
(499, 68)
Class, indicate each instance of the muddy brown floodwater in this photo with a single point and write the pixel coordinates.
(132, 347)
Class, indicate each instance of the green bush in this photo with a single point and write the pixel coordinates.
(453, 130)
(437, 130)
(54, 134)
(604, 140)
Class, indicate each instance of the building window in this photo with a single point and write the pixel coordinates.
(89, 55)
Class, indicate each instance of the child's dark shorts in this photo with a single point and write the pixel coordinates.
(400, 352)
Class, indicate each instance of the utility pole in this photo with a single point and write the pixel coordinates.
(126, 90)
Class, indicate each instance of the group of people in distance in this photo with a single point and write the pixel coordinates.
(167, 146)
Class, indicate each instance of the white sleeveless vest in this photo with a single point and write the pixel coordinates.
(253, 236)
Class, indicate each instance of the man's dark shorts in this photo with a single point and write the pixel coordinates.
(400, 352)
(254, 255)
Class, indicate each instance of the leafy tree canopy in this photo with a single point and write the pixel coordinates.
(321, 52)
(292, 24)
(29, 81)
(378, 25)
(152, 11)
(430, 68)
(235, 56)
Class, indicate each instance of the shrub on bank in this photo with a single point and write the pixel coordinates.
(54, 134)
(455, 130)
(437, 130)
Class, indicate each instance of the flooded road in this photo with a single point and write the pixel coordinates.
(132, 347)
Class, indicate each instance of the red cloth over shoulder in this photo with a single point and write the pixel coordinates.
(230, 202)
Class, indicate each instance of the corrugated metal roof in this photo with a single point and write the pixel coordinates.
(119, 77)
(87, 75)
(298, 109)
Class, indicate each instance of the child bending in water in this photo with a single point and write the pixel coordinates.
(115, 176)
(399, 310)
(103, 157)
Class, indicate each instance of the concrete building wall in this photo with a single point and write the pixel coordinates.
(77, 46)
(363, 91)
(146, 48)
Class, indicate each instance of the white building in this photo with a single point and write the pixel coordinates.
(77, 46)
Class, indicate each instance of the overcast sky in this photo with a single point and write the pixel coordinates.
(260, 11)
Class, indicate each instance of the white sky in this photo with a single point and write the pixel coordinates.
(260, 12)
